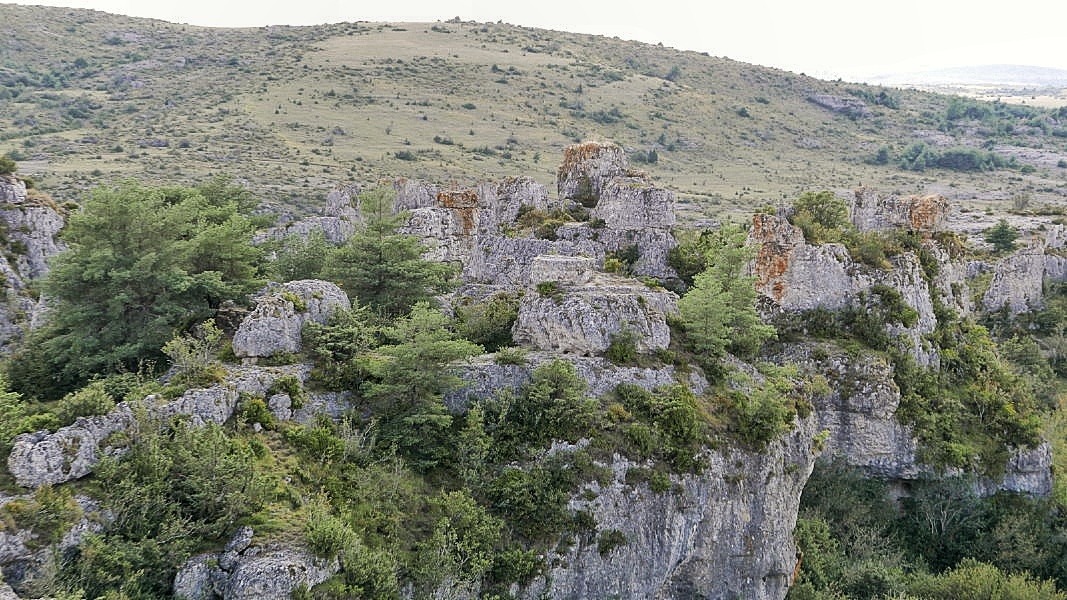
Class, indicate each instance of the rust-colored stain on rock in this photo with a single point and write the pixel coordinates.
(772, 258)
(576, 154)
(927, 213)
(464, 203)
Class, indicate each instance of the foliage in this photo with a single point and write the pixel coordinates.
(670, 424)
(195, 356)
(408, 375)
(821, 216)
(336, 347)
(719, 313)
(48, 513)
(489, 323)
(1002, 236)
(172, 490)
(142, 263)
(623, 347)
(973, 579)
(91, 400)
(7, 166)
(300, 257)
(382, 269)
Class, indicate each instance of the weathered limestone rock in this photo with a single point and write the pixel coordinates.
(871, 212)
(567, 270)
(24, 561)
(73, 451)
(587, 168)
(584, 319)
(632, 203)
(243, 571)
(796, 275)
(506, 261)
(501, 202)
(412, 194)
(860, 416)
(1018, 281)
(448, 228)
(280, 314)
(30, 223)
(845, 105)
(484, 378)
(724, 534)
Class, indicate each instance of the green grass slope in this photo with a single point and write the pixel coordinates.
(87, 97)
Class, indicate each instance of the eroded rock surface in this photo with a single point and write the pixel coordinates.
(873, 212)
(724, 534)
(586, 313)
(281, 312)
(73, 451)
(243, 571)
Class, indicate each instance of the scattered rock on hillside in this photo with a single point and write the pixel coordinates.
(850, 107)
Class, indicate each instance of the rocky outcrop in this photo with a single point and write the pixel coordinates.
(243, 571)
(724, 534)
(484, 378)
(859, 417)
(1018, 281)
(26, 562)
(281, 312)
(586, 170)
(850, 107)
(871, 212)
(73, 451)
(585, 313)
(30, 223)
(796, 276)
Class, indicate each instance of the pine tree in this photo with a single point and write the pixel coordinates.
(383, 269)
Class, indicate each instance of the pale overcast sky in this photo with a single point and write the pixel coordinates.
(826, 38)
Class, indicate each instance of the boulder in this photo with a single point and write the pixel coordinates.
(585, 319)
(1018, 281)
(243, 571)
(586, 170)
(275, 325)
(632, 203)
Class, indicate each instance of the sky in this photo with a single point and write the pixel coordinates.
(830, 39)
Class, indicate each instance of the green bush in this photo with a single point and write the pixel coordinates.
(7, 166)
(91, 400)
(489, 323)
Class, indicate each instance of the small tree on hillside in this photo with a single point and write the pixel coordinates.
(383, 269)
(719, 312)
(7, 166)
(1002, 236)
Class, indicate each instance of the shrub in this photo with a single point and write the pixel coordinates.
(7, 166)
(489, 323)
(623, 347)
(91, 400)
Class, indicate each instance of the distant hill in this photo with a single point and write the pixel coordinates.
(87, 97)
(1007, 75)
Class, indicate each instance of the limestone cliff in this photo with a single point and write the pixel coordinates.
(30, 223)
(724, 534)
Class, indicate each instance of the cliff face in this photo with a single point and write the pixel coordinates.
(29, 225)
(724, 534)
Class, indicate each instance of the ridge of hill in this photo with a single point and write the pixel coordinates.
(87, 97)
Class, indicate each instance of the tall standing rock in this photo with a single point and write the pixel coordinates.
(275, 325)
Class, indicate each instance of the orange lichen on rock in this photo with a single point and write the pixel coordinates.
(927, 213)
(576, 154)
(772, 257)
(464, 203)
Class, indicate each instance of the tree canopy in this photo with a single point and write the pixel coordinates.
(383, 269)
(141, 264)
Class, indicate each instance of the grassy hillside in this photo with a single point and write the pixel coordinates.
(86, 97)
